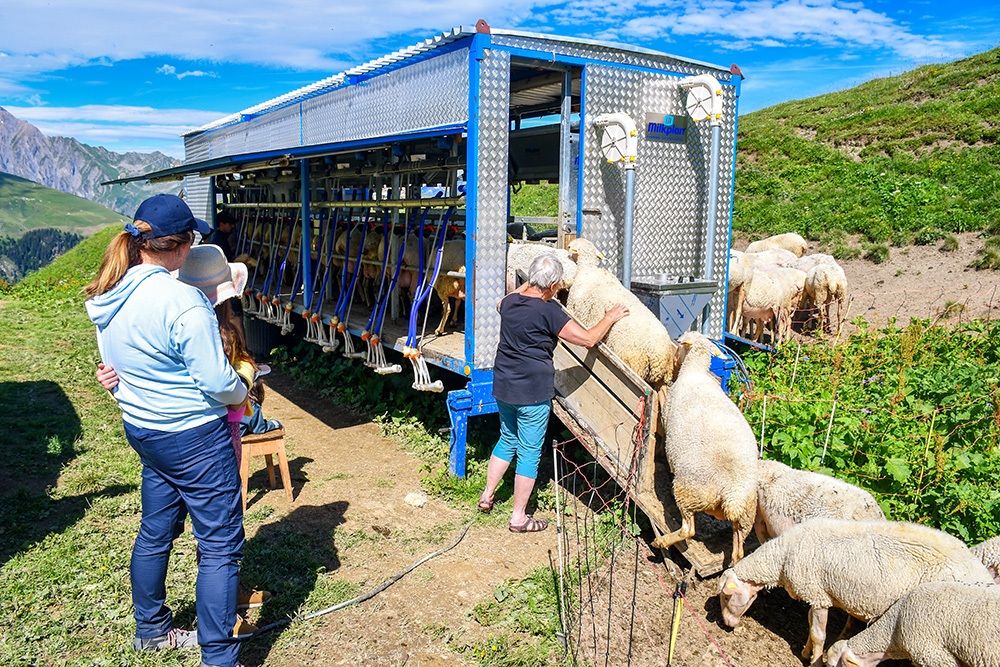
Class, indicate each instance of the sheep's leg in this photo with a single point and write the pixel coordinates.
(852, 627)
(741, 291)
(446, 305)
(684, 532)
(740, 533)
(813, 651)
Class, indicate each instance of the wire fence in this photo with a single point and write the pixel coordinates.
(910, 412)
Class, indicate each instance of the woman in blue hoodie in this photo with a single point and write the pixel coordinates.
(174, 385)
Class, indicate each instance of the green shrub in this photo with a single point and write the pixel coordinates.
(876, 253)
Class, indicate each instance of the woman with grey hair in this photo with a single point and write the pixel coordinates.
(523, 380)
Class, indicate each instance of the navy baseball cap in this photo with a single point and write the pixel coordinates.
(169, 214)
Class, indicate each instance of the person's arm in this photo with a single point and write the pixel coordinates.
(196, 335)
(574, 333)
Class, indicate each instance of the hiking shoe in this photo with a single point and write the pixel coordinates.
(175, 638)
(243, 627)
(251, 598)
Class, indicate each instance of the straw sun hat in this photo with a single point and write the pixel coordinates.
(207, 269)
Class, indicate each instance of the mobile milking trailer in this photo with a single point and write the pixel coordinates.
(432, 139)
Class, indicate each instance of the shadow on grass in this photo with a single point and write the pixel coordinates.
(38, 428)
(288, 558)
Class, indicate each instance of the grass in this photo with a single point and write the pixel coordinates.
(26, 205)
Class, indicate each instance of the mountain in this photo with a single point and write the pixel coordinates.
(26, 205)
(66, 164)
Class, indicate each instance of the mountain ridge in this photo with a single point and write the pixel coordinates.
(65, 164)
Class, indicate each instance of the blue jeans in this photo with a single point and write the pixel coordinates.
(192, 473)
(522, 431)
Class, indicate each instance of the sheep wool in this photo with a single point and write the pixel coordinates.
(939, 624)
(826, 283)
(862, 567)
(791, 242)
(640, 340)
(989, 553)
(740, 275)
(710, 448)
(786, 496)
(520, 256)
(448, 287)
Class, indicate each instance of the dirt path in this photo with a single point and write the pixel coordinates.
(350, 484)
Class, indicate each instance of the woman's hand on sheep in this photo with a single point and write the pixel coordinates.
(616, 312)
(572, 332)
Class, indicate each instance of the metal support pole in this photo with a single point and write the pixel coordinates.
(627, 231)
(565, 156)
(710, 231)
(305, 246)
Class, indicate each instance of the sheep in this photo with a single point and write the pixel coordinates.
(640, 340)
(786, 497)
(989, 553)
(448, 287)
(769, 259)
(791, 242)
(826, 283)
(520, 256)
(939, 624)
(806, 262)
(768, 300)
(710, 448)
(740, 274)
(862, 567)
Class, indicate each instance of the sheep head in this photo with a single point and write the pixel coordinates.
(583, 252)
(735, 597)
(841, 654)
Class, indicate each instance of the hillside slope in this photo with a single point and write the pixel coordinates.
(68, 165)
(904, 158)
(26, 205)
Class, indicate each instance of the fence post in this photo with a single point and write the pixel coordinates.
(828, 427)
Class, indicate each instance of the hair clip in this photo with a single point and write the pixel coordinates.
(132, 229)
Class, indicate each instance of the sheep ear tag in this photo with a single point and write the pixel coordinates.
(731, 585)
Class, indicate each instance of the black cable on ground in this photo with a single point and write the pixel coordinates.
(361, 598)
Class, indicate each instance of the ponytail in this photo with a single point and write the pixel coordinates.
(125, 251)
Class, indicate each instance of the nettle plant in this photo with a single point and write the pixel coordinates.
(912, 415)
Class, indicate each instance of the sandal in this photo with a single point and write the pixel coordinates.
(486, 506)
(532, 525)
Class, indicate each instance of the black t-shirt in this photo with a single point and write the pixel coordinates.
(221, 239)
(529, 326)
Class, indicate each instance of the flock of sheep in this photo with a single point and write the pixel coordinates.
(926, 595)
(773, 279)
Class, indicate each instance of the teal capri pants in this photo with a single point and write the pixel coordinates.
(522, 431)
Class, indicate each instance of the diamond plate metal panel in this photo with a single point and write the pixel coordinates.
(197, 193)
(425, 94)
(609, 55)
(428, 93)
(491, 188)
(197, 148)
(671, 183)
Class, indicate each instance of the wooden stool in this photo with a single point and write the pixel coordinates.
(265, 444)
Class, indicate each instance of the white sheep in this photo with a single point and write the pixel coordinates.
(939, 624)
(786, 497)
(640, 340)
(710, 447)
(768, 259)
(520, 255)
(791, 242)
(448, 287)
(826, 283)
(862, 567)
(768, 301)
(806, 262)
(989, 553)
(739, 277)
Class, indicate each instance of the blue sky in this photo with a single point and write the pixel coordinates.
(133, 76)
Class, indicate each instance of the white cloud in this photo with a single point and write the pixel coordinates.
(757, 23)
(98, 113)
(170, 70)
